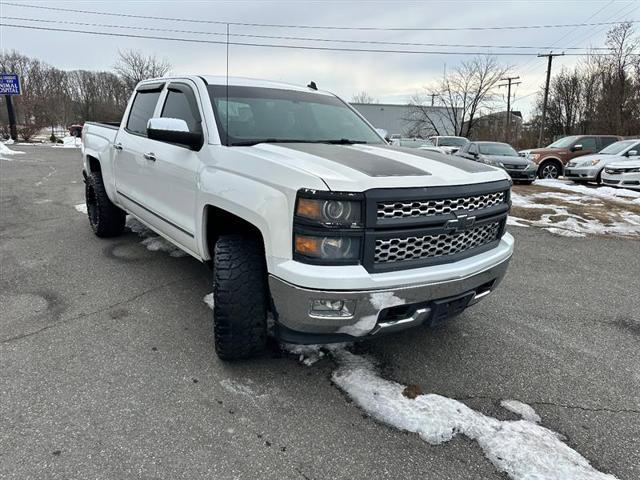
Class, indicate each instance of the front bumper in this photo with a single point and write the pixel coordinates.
(377, 311)
(582, 173)
(526, 175)
(624, 180)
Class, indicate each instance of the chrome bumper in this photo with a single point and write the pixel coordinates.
(382, 310)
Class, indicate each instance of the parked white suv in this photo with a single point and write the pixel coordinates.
(301, 208)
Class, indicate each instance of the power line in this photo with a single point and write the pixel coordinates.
(273, 45)
(331, 27)
(279, 37)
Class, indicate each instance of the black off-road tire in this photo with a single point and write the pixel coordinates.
(105, 218)
(241, 297)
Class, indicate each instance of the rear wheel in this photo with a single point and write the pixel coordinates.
(550, 169)
(105, 218)
(241, 297)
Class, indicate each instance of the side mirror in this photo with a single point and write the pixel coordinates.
(576, 148)
(632, 153)
(174, 130)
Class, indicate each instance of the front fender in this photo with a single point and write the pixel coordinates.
(267, 207)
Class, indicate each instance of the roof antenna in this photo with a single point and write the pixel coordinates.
(313, 85)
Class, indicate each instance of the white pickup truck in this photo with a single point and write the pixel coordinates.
(301, 208)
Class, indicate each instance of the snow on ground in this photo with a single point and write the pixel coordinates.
(69, 142)
(525, 411)
(522, 449)
(153, 242)
(602, 192)
(6, 152)
(558, 212)
(208, 299)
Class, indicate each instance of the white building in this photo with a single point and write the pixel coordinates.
(396, 119)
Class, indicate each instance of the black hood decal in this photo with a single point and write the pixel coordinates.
(452, 160)
(364, 162)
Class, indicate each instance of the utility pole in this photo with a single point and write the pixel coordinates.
(510, 81)
(546, 92)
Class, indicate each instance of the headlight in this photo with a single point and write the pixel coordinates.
(331, 249)
(593, 162)
(334, 210)
(535, 156)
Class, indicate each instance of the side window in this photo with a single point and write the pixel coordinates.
(473, 149)
(181, 103)
(636, 147)
(588, 143)
(606, 141)
(142, 110)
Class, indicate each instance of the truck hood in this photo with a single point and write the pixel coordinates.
(361, 167)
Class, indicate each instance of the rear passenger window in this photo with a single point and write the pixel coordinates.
(142, 110)
(588, 143)
(181, 103)
(606, 141)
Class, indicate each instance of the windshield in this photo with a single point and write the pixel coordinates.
(254, 115)
(618, 147)
(452, 141)
(563, 142)
(501, 149)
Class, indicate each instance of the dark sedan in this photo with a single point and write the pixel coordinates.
(501, 155)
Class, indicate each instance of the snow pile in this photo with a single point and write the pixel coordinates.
(6, 152)
(522, 449)
(609, 193)
(565, 223)
(153, 242)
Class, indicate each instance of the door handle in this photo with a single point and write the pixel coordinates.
(117, 146)
(150, 156)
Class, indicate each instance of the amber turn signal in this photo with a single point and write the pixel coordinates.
(309, 208)
(308, 245)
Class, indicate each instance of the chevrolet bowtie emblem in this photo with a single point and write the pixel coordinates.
(460, 223)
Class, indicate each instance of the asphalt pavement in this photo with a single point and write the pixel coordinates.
(108, 369)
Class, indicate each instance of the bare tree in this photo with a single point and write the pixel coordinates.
(133, 67)
(363, 97)
(464, 95)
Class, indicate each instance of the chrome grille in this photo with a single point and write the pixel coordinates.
(426, 208)
(430, 246)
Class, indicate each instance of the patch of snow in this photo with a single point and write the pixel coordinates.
(517, 222)
(238, 388)
(522, 449)
(525, 411)
(82, 208)
(69, 142)
(378, 300)
(9, 141)
(610, 193)
(310, 354)
(153, 242)
(564, 233)
(208, 299)
(6, 151)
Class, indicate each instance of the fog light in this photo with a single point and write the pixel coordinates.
(332, 308)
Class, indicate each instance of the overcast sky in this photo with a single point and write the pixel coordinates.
(389, 77)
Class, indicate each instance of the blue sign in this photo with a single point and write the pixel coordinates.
(10, 84)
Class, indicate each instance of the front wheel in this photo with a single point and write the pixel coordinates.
(240, 296)
(550, 170)
(105, 218)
